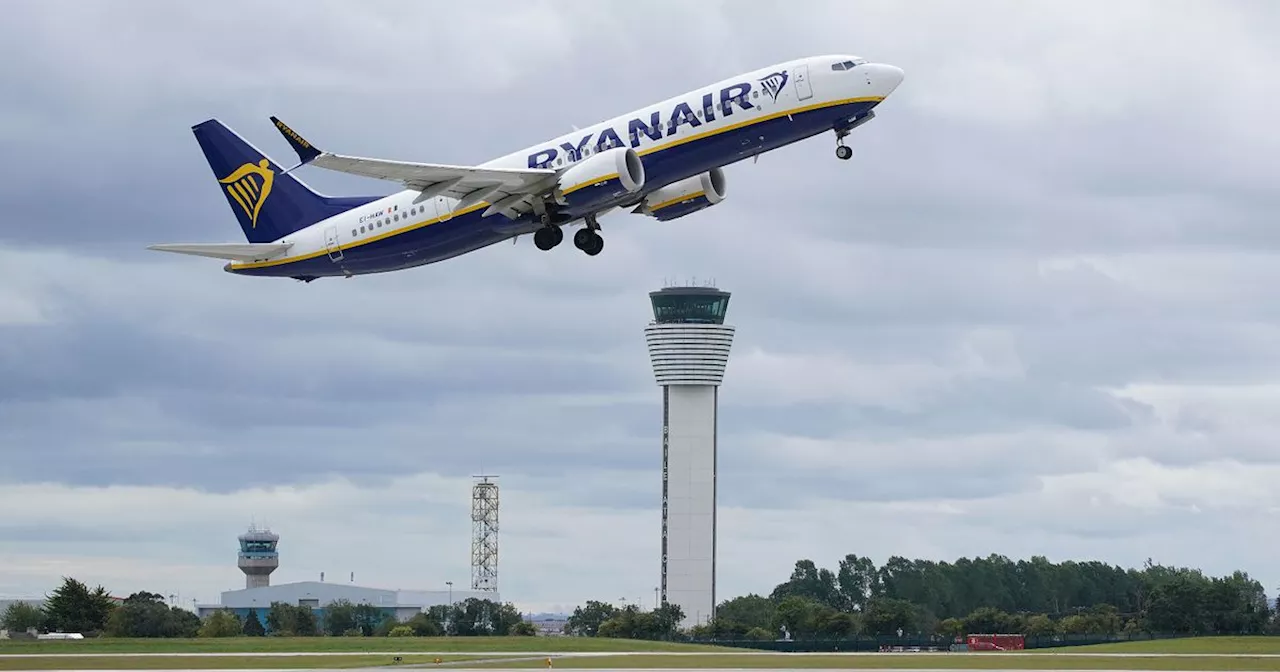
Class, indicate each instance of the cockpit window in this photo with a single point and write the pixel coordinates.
(848, 65)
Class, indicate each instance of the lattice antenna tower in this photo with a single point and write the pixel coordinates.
(484, 534)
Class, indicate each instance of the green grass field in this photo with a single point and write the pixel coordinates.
(1204, 653)
(352, 644)
(1188, 645)
(981, 661)
(905, 661)
(219, 662)
(985, 661)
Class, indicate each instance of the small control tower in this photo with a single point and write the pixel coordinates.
(689, 348)
(258, 557)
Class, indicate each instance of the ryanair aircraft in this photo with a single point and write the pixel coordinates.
(664, 161)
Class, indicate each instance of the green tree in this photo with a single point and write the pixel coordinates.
(473, 617)
(221, 623)
(524, 629)
(989, 620)
(401, 631)
(1040, 626)
(385, 626)
(368, 618)
(631, 623)
(951, 628)
(20, 617)
(252, 626)
(809, 581)
(1176, 602)
(145, 614)
(305, 622)
(736, 617)
(287, 620)
(183, 623)
(585, 620)
(75, 608)
(339, 617)
(142, 614)
(504, 618)
(857, 581)
(799, 616)
(886, 616)
(424, 625)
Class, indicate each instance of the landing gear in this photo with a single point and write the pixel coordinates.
(548, 237)
(842, 152)
(589, 241)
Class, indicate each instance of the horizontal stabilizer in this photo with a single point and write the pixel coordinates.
(232, 251)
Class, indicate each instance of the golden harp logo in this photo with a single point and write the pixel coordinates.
(249, 186)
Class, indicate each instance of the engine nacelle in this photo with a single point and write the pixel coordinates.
(599, 179)
(685, 197)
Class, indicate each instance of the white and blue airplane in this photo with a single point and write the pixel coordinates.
(665, 161)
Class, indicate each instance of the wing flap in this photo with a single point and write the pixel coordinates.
(232, 251)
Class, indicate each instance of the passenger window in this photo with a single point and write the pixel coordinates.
(353, 233)
(362, 229)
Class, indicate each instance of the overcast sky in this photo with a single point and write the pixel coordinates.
(1035, 314)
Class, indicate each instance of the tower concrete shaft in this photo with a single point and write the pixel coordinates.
(689, 349)
(258, 557)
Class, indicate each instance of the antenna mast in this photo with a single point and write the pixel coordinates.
(484, 534)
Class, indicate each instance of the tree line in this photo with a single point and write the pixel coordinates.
(926, 598)
(74, 607)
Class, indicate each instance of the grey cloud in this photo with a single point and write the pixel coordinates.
(949, 320)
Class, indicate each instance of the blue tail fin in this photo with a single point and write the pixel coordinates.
(268, 203)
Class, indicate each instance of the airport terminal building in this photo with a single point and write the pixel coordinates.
(403, 604)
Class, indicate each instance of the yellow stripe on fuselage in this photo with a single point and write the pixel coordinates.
(649, 150)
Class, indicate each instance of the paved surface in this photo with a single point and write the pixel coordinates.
(580, 654)
(671, 669)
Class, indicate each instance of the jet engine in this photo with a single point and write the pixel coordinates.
(685, 197)
(600, 178)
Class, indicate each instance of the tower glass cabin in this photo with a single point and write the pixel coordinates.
(258, 557)
(689, 349)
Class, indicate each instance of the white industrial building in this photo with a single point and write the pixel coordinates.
(689, 347)
(317, 595)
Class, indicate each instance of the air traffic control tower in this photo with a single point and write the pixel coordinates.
(689, 349)
(258, 557)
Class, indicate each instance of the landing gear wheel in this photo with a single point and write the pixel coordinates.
(548, 237)
(843, 152)
(588, 241)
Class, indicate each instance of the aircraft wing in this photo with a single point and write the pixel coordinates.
(232, 251)
(508, 190)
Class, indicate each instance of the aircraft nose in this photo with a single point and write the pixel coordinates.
(884, 78)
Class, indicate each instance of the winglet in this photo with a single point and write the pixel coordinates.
(306, 151)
